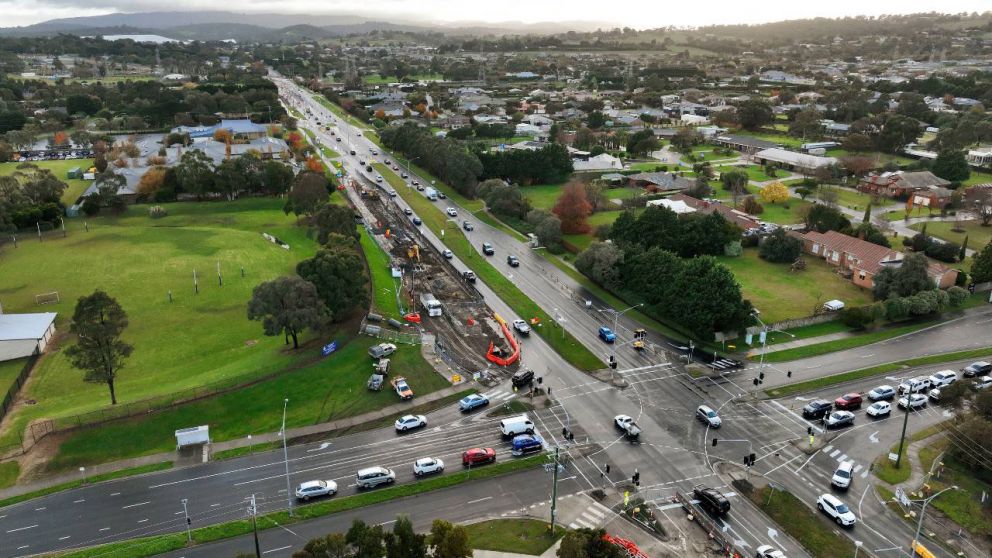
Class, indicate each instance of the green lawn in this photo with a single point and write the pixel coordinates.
(332, 388)
(194, 340)
(786, 213)
(59, 169)
(649, 166)
(542, 196)
(384, 286)
(521, 536)
(978, 178)
(781, 139)
(8, 373)
(850, 198)
(962, 506)
(781, 294)
(9, 470)
(978, 236)
(754, 172)
(709, 153)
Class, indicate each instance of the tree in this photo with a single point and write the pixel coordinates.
(98, 322)
(366, 540)
(804, 192)
(339, 274)
(776, 192)
(404, 542)
(151, 182)
(779, 247)
(587, 543)
(806, 125)
(642, 142)
(548, 231)
(751, 206)
(906, 280)
(823, 218)
(195, 173)
(981, 265)
(308, 194)
(685, 138)
(449, 541)
(334, 219)
(601, 262)
(504, 199)
(735, 182)
(964, 249)
(754, 113)
(857, 143)
(857, 165)
(700, 188)
(951, 165)
(287, 305)
(898, 131)
(624, 229)
(276, 177)
(573, 209)
(331, 546)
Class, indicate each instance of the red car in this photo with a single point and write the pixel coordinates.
(478, 456)
(848, 401)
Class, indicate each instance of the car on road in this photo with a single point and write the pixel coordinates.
(975, 369)
(382, 350)
(315, 489)
(468, 226)
(915, 385)
(417, 221)
(378, 178)
(521, 326)
(522, 378)
(372, 477)
(711, 499)
(769, 551)
(708, 416)
(879, 409)
(337, 139)
(487, 249)
(913, 401)
(838, 419)
(817, 409)
(427, 466)
(882, 393)
(472, 401)
(478, 456)
(404, 175)
(983, 383)
(352, 152)
(419, 187)
(407, 211)
(526, 443)
(452, 212)
(836, 510)
(843, 475)
(448, 254)
(441, 195)
(943, 378)
(402, 388)
(848, 401)
(409, 422)
(607, 335)
(415, 183)
(513, 261)
(469, 276)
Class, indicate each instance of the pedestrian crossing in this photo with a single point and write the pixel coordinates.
(592, 517)
(501, 395)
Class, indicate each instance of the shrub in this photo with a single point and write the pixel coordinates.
(779, 247)
(857, 317)
(157, 212)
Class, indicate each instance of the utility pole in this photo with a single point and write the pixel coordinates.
(254, 525)
(905, 421)
(189, 535)
(285, 457)
(554, 491)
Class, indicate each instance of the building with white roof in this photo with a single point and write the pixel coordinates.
(23, 335)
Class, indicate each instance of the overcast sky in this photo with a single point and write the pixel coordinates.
(635, 13)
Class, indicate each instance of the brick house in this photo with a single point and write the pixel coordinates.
(743, 221)
(901, 184)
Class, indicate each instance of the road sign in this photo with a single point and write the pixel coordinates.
(329, 348)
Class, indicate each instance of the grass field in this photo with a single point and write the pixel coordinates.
(977, 178)
(9, 470)
(59, 169)
(384, 286)
(782, 294)
(521, 536)
(754, 172)
(192, 341)
(851, 198)
(788, 213)
(978, 236)
(542, 196)
(8, 372)
(963, 506)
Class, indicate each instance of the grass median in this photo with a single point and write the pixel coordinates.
(521, 536)
(451, 234)
(150, 546)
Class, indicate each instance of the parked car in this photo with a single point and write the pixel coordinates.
(469, 276)
(452, 212)
(983, 383)
(843, 474)
(478, 456)
(816, 409)
(913, 401)
(769, 551)
(382, 350)
(934, 395)
(487, 249)
(521, 326)
(848, 401)
(708, 416)
(472, 401)
(409, 422)
(711, 499)
(915, 385)
(448, 254)
(879, 409)
(882, 393)
(606, 334)
(315, 489)
(402, 388)
(521, 378)
(468, 226)
(427, 466)
(374, 476)
(838, 419)
(526, 443)
(513, 261)
(836, 510)
(975, 369)
(943, 378)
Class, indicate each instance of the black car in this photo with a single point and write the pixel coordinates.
(817, 409)
(711, 500)
(487, 249)
(513, 261)
(522, 378)
(976, 369)
(352, 151)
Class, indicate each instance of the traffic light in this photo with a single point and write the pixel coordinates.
(613, 362)
(761, 376)
(715, 441)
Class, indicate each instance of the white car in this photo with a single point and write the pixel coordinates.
(882, 393)
(836, 510)
(768, 551)
(314, 489)
(914, 401)
(943, 378)
(451, 212)
(842, 476)
(983, 383)
(934, 395)
(916, 385)
(521, 326)
(408, 422)
(879, 409)
(448, 254)
(427, 466)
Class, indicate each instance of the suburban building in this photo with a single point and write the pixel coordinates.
(23, 335)
(744, 143)
(660, 181)
(978, 194)
(791, 160)
(743, 221)
(243, 129)
(901, 184)
(603, 161)
(980, 157)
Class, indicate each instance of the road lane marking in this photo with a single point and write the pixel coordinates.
(842, 458)
(277, 549)
(142, 520)
(22, 547)
(135, 505)
(43, 508)
(479, 500)
(115, 493)
(105, 529)
(22, 528)
(64, 538)
(81, 500)
(214, 505)
(834, 453)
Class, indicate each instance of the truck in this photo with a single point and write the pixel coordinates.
(431, 305)
(431, 194)
(626, 424)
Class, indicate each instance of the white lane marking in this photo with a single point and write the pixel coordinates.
(43, 508)
(277, 549)
(142, 520)
(135, 505)
(826, 449)
(388, 522)
(834, 453)
(214, 505)
(857, 468)
(115, 493)
(22, 547)
(842, 458)
(81, 500)
(479, 500)
(64, 538)
(22, 528)
(105, 529)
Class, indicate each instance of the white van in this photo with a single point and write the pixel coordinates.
(943, 378)
(516, 425)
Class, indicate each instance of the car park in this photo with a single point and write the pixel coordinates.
(478, 456)
(879, 409)
(769, 551)
(526, 443)
(487, 249)
(607, 335)
(843, 474)
(521, 378)
(409, 422)
(915, 385)
(315, 489)
(448, 254)
(382, 350)
(521, 326)
(838, 419)
(816, 409)
(913, 401)
(372, 477)
(468, 226)
(836, 510)
(943, 378)
(472, 401)
(975, 369)
(513, 261)
(711, 499)
(882, 393)
(708, 416)
(452, 212)
(427, 466)
(848, 401)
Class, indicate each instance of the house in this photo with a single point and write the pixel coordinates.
(793, 161)
(242, 129)
(660, 181)
(900, 184)
(678, 207)
(933, 198)
(603, 161)
(981, 157)
(978, 194)
(681, 204)
(744, 143)
(944, 277)
(859, 258)
(23, 335)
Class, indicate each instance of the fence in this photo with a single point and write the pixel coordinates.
(29, 236)
(12, 391)
(797, 322)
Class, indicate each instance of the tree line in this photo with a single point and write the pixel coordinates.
(30, 198)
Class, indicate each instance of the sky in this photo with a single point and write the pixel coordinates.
(639, 14)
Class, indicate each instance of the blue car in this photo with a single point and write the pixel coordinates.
(606, 334)
(526, 443)
(473, 401)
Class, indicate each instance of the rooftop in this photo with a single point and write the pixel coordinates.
(17, 327)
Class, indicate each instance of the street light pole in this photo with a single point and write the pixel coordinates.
(616, 322)
(919, 524)
(285, 457)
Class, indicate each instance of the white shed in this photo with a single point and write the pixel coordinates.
(23, 335)
(192, 436)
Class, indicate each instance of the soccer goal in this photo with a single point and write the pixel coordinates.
(47, 298)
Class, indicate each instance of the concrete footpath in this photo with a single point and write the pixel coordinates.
(241, 442)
